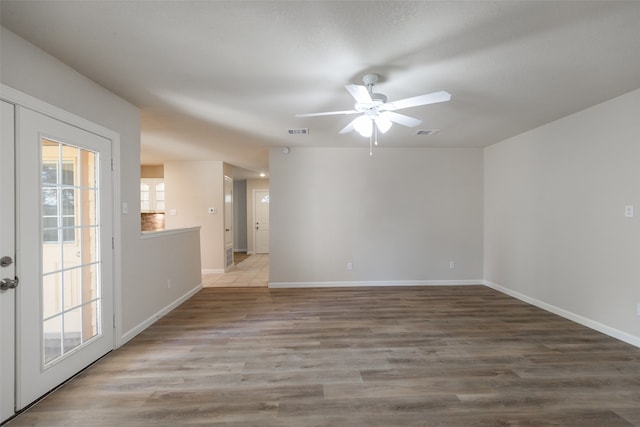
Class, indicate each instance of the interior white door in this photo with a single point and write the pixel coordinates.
(7, 261)
(64, 244)
(261, 217)
(228, 211)
(228, 221)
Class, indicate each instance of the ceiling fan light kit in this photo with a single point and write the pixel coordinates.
(374, 109)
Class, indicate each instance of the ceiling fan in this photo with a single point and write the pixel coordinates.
(374, 109)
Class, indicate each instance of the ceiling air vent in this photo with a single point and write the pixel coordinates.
(301, 131)
(427, 132)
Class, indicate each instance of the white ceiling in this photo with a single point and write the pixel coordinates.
(222, 80)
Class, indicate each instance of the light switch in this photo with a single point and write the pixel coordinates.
(172, 212)
(125, 208)
(628, 211)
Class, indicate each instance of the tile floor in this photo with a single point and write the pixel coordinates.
(252, 272)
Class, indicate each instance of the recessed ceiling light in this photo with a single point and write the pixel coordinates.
(427, 132)
(299, 131)
(262, 174)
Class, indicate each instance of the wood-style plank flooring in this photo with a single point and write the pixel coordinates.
(413, 356)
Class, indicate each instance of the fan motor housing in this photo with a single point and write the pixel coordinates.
(377, 99)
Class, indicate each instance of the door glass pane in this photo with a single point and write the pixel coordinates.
(70, 248)
(71, 288)
(72, 329)
(52, 329)
(89, 243)
(89, 281)
(89, 320)
(52, 293)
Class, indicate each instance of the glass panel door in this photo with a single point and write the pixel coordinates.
(65, 295)
(71, 287)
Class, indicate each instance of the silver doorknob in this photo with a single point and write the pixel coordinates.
(6, 284)
(6, 261)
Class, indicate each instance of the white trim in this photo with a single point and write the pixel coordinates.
(27, 101)
(280, 285)
(213, 270)
(157, 316)
(589, 323)
(161, 233)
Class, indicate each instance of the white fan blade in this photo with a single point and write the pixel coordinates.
(327, 113)
(359, 93)
(401, 119)
(349, 128)
(429, 98)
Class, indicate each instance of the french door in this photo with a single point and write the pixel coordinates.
(63, 252)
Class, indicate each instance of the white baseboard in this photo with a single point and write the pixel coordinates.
(283, 285)
(589, 323)
(155, 317)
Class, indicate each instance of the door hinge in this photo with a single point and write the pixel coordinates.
(113, 243)
(112, 164)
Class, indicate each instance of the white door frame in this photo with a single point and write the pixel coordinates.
(7, 248)
(22, 99)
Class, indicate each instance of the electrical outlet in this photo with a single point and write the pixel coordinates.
(349, 266)
(628, 211)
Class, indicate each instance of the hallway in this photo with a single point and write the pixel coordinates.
(251, 272)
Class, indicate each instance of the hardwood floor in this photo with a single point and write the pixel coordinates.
(420, 356)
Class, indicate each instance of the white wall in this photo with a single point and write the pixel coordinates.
(191, 188)
(555, 230)
(171, 272)
(32, 71)
(400, 215)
